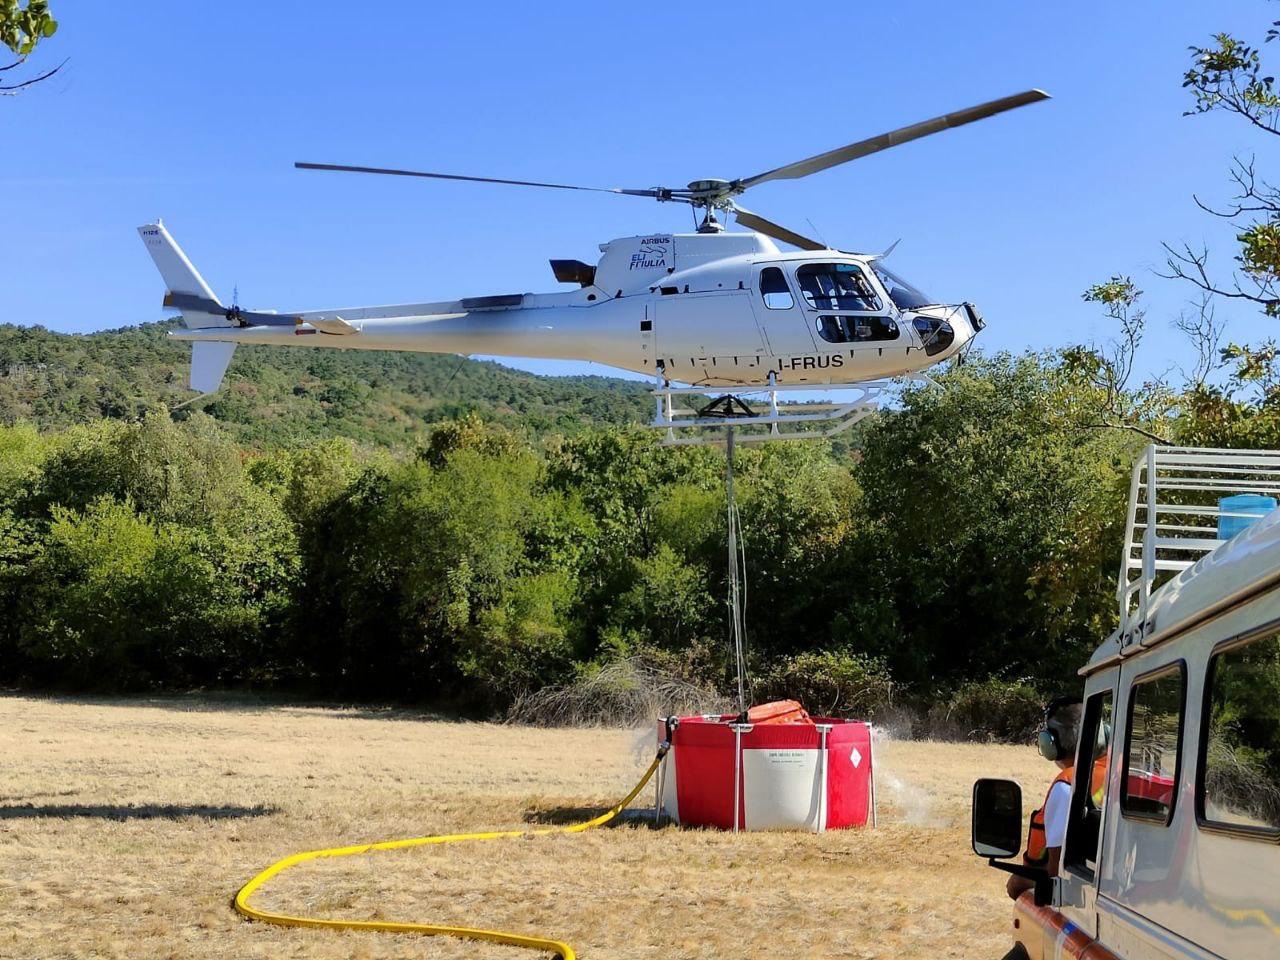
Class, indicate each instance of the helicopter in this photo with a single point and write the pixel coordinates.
(709, 309)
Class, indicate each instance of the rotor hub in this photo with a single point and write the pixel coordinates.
(710, 189)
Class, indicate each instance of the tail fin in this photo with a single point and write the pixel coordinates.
(187, 289)
(209, 361)
(188, 292)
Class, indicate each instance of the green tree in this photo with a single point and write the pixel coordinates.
(104, 522)
(114, 600)
(188, 473)
(522, 641)
(1243, 411)
(22, 454)
(1227, 76)
(668, 604)
(479, 563)
(306, 479)
(454, 576)
(994, 509)
(278, 399)
(23, 25)
(20, 544)
(801, 513)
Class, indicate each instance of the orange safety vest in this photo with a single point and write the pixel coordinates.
(1037, 854)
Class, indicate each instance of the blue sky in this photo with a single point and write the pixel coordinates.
(196, 112)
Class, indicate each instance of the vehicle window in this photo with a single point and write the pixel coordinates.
(903, 294)
(1240, 783)
(1151, 746)
(774, 289)
(936, 335)
(837, 286)
(1087, 803)
(857, 329)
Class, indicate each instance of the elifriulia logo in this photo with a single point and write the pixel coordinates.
(652, 253)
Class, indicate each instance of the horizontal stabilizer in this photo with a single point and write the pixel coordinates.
(334, 325)
(209, 362)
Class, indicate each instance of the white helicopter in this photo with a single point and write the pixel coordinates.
(706, 309)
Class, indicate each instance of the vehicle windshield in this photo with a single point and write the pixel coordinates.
(903, 294)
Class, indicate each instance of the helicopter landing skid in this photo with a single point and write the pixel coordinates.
(773, 417)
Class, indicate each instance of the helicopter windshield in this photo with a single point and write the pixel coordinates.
(903, 294)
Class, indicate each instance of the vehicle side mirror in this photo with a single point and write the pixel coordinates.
(997, 818)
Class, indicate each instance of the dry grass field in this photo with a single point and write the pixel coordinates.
(127, 825)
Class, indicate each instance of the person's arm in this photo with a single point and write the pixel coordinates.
(1017, 886)
(1055, 830)
(1055, 824)
(1055, 860)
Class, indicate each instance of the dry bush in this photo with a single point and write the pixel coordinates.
(625, 693)
(1238, 783)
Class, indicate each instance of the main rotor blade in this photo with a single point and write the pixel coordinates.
(657, 193)
(770, 229)
(854, 151)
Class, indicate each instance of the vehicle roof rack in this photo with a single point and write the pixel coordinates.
(1184, 503)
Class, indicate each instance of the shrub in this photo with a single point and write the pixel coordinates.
(829, 683)
(1007, 711)
(520, 642)
(668, 603)
(114, 600)
(1241, 780)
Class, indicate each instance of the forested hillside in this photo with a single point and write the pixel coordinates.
(377, 527)
(275, 396)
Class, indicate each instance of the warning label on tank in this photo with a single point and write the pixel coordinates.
(786, 758)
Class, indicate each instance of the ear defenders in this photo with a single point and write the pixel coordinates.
(1047, 739)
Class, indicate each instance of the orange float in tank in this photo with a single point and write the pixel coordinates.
(779, 711)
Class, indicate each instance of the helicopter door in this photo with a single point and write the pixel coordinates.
(849, 314)
(706, 334)
(784, 324)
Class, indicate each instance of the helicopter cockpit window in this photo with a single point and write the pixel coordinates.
(774, 289)
(837, 286)
(835, 329)
(903, 294)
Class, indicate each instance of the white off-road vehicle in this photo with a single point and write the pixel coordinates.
(1177, 855)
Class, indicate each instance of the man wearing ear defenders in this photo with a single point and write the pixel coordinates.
(1057, 741)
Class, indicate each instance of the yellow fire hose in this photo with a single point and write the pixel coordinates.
(555, 947)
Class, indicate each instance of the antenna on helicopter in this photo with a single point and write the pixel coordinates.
(711, 195)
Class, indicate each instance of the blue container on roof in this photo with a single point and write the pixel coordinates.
(1253, 504)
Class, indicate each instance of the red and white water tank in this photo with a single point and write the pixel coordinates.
(783, 773)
